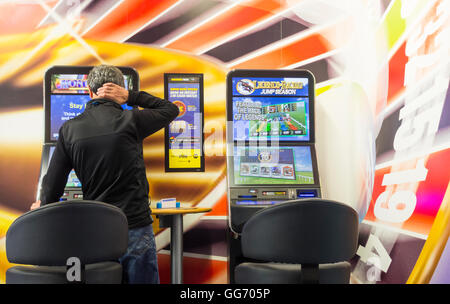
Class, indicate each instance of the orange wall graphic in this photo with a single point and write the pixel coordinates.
(402, 52)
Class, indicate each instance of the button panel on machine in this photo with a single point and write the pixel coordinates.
(72, 195)
(274, 193)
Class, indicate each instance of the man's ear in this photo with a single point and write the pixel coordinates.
(91, 95)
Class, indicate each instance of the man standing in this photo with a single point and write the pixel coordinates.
(104, 146)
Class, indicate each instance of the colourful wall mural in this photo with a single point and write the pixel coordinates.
(396, 51)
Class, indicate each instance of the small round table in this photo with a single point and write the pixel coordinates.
(173, 218)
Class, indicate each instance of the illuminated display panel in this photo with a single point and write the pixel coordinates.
(67, 93)
(271, 108)
(63, 108)
(184, 135)
(403, 23)
(286, 165)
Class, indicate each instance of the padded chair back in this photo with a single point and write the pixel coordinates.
(89, 230)
(312, 231)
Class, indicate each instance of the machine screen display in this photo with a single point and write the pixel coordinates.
(273, 165)
(72, 180)
(68, 97)
(271, 109)
(184, 135)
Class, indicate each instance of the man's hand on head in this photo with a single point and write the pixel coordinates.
(35, 205)
(113, 92)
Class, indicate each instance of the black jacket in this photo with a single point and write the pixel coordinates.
(104, 146)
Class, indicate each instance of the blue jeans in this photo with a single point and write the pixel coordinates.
(139, 263)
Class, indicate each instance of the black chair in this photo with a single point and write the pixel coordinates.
(303, 241)
(45, 238)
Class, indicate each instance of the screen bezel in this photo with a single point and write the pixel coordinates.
(166, 129)
(73, 70)
(230, 165)
(271, 74)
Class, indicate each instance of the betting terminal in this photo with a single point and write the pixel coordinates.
(271, 155)
(65, 97)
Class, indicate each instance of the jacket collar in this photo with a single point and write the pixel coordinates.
(100, 101)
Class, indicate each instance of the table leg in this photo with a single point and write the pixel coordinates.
(176, 248)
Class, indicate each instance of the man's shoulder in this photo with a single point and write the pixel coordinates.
(84, 122)
(73, 121)
(71, 125)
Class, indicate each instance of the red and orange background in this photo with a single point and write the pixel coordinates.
(212, 37)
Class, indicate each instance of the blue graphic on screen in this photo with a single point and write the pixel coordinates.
(185, 131)
(271, 109)
(273, 165)
(72, 179)
(65, 107)
(68, 98)
(257, 86)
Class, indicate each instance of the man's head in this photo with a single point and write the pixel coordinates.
(102, 74)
